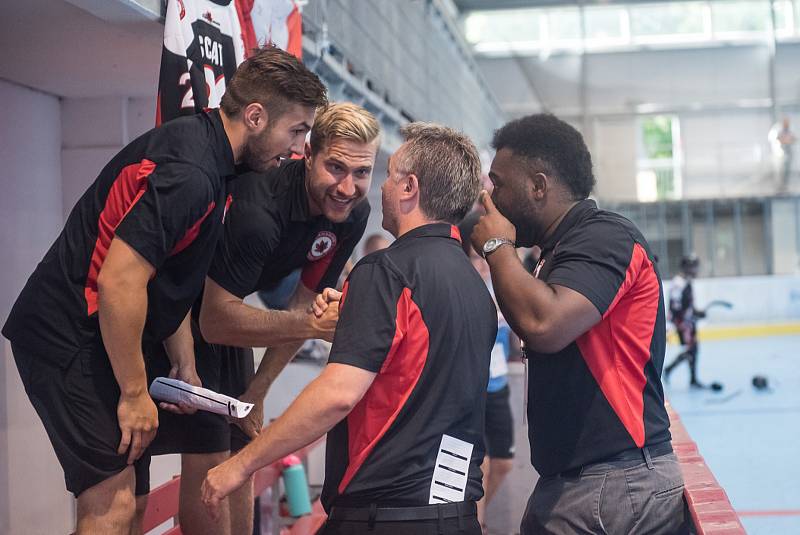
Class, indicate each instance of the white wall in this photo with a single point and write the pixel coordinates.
(93, 130)
(54, 150)
(755, 299)
(32, 495)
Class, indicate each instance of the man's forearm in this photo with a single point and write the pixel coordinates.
(180, 346)
(274, 361)
(523, 299)
(122, 310)
(241, 325)
(315, 411)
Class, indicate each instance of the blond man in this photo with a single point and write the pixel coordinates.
(307, 214)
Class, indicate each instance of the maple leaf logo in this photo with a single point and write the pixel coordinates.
(322, 245)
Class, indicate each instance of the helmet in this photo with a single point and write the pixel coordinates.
(690, 261)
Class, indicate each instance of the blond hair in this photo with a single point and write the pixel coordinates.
(343, 121)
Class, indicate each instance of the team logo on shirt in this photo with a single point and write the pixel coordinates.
(323, 243)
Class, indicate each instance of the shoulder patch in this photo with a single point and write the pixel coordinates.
(322, 245)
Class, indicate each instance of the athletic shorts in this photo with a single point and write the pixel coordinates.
(77, 404)
(224, 369)
(687, 332)
(499, 425)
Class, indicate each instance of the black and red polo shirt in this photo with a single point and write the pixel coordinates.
(270, 232)
(164, 195)
(601, 394)
(418, 315)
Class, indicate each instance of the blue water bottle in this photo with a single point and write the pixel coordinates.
(296, 485)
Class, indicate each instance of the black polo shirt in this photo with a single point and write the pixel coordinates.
(164, 195)
(601, 394)
(269, 232)
(418, 315)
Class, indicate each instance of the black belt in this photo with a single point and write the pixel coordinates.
(633, 454)
(403, 514)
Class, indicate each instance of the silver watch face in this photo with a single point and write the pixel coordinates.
(491, 244)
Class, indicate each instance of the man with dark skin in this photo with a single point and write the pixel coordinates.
(591, 317)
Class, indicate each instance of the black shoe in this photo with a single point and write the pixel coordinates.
(696, 384)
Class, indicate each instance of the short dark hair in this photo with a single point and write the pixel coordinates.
(275, 79)
(551, 146)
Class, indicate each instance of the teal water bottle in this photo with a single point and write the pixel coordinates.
(296, 485)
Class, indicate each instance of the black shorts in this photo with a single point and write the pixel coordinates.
(687, 332)
(499, 426)
(224, 369)
(77, 403)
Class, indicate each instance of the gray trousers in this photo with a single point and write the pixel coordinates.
(617, 498)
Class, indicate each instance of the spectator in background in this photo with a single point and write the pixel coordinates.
(375, 242)
(782, 139)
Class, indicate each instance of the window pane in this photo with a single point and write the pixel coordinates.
(754, 257)
(656, 164)
(786, 257)
(502, 26)
(667, 19)
(701, 239)
(657, 136)
(724, 240)
(675, 238)
(651, 226)
(605, 23)
(564, 24)
(784, 17)
(746, 16)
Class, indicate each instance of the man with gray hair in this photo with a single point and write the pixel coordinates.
(402, 397)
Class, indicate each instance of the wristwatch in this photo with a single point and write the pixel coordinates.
(492, 244)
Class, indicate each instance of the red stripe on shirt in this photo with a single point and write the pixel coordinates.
(125, 192)
(192, 233)
(369, 421)
(618, 348)
(455, 233)
(314, 271)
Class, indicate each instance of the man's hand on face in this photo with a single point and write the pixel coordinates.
(491, 225)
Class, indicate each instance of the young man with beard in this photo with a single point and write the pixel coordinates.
(307, 214)
(402, 396)
(592, 320)
(124, 272)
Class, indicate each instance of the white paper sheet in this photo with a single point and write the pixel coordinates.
(175, 391)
